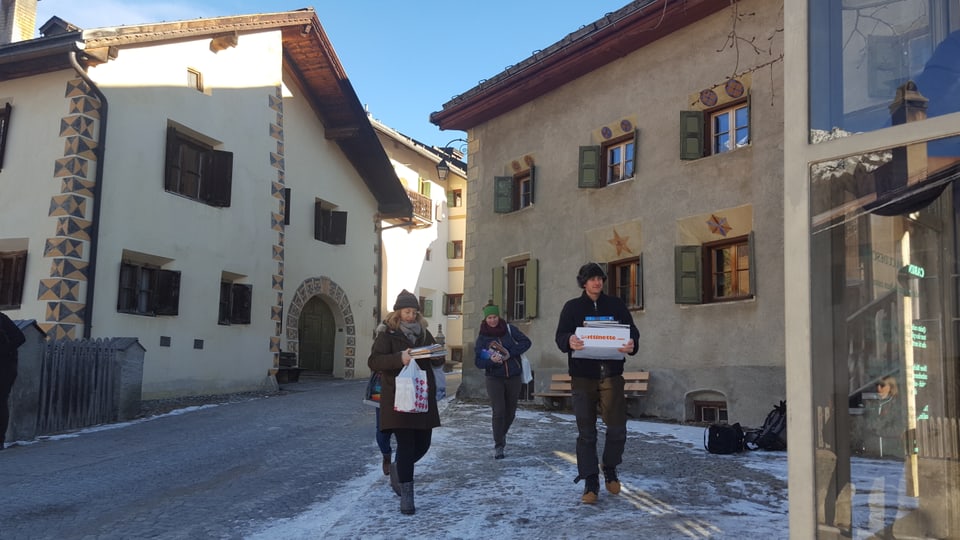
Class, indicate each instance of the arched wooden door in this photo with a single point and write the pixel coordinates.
(318, 334)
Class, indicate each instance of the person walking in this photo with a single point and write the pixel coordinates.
(596, 382)
(498, 349)
(10, 340)
(405, 328)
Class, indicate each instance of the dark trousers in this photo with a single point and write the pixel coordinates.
(607, 394)
(412, 444)
(383, 438)
(8, 374)
(504, 394)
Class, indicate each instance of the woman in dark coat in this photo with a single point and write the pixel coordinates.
(405, 328)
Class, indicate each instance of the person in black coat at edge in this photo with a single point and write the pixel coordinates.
(596, 382)
(10, 340)
(498, 349)
(405, 328)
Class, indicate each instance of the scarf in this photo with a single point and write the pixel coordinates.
(411, 330)
(494, 331)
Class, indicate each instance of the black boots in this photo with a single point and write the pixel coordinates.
(406, 499)
(394, 478)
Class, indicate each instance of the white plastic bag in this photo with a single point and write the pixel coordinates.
(527, 369)
(411, 395)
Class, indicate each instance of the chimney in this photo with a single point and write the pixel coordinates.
(18, 20)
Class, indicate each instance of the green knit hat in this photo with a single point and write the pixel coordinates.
(489, 310)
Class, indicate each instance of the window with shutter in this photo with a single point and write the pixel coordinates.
(516, 290)
(625, 281)
(329, 225)
(13, 265)
(147, 290)
(715, 131)
(196, 170)
(613, 161)
(716, 271)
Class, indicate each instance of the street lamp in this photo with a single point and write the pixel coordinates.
(443, 168)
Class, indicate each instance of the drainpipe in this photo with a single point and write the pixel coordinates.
(97, 197)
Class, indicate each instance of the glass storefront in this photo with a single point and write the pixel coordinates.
(885, 304)
(862, 51)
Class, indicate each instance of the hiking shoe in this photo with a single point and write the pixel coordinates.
(610, 480)
(591, 490)
(498, 453)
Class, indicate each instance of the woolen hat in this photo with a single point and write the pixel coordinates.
(406, 299)
(590, 270)
(489, 310)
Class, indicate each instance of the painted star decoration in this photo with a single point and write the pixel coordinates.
(719, 225)
(620, 243)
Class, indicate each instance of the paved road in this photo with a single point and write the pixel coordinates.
(206, 474)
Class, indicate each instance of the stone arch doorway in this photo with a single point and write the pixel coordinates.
(344, 342)
(318, 332)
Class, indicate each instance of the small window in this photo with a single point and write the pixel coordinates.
(427, 255)
(455, 249)
(196, 171)
(609, 163)
(235, 303)
(456, 354)
(704, 133)
(195, 79)
(515, 287)
(13, 266)
(452, 304)
(716, 271)
(329, 226)
(424, 187)
(148, 290)
(710, 411)
(455, 198)
(511, 193)
(626, 281)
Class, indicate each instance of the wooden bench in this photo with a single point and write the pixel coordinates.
(635, 384)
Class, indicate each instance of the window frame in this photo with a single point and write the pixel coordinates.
(594, 161)
(504, 289)
(195, 170)
(731, 114)
(150, 291)
(719, 406)
(453, 303)
(697, 129)
(455, 198)
(635, 265)
(13, 274)
(710, 250)
(329, 225)
(455, 249)
(513, 193)
(693, 269)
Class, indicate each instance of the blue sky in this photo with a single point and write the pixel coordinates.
(404, 59)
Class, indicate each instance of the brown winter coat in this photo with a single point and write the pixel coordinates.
(385, 357)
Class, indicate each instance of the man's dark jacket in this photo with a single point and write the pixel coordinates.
(574, 313)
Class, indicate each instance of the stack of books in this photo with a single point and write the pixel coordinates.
(429, 351)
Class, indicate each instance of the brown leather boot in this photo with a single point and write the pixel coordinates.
(386, 464)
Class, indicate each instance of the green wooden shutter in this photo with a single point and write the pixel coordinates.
(446, 304)
(503, 194)
(428, 308)
(636, 151)
(168, 292)
(425, 187)
(531, 293)
(589, 167)
(450, 252)
(691, 134)
(752, 263)
(533, 178)
(450, 198)
(688, 280)
(640, 282)
(496, 286)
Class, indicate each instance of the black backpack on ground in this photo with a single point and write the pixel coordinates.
(772, 435)
(724, 439)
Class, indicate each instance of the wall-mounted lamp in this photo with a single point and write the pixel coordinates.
(443, 168)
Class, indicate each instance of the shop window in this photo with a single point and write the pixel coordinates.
(515, 289)
(196, 170)
(608, 163)
(716, 271)
(13, 266)
(512, 193)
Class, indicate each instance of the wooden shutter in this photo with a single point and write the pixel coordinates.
(589, 167)
(240, 303)
(531, 293)
(533, 181)
(450, 252)
(636, 152)
(496, 286)
(338, 228)
(168, 292)
(226, 288)
(691, 134)
(428, 307)
(215, 187)
(450, 199)
(446, 304)
(425, 187)
(286, 206)
(503, 194)
(171, 179)
(752, 263)
(688, 279)
(4, 130)
(319, 221)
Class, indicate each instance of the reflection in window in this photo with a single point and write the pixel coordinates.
(885, 338)
(875, 48)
